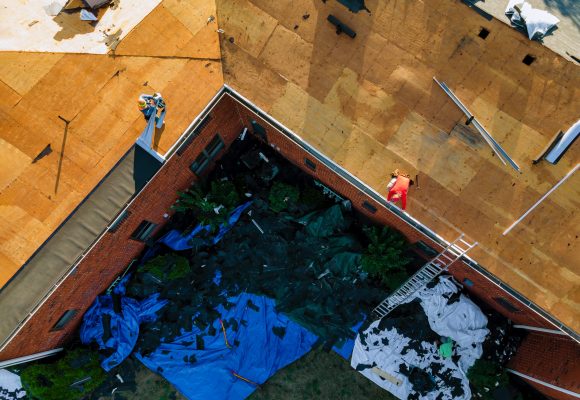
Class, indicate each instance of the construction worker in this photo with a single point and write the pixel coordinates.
(149, 105)
(398, 187)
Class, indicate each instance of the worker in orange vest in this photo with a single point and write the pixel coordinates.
(398, 187)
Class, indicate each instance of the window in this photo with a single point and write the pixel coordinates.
(369, 207)
(143, 231)
(119, 221)
(529, 59)
(259, 131)
(310, 164)
(483, 33)
(506, 304)
(64, 320)
(214, 147)
(207, 154)
(194, 134)
(425, 248)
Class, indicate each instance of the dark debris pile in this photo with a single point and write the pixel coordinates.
(307, 257)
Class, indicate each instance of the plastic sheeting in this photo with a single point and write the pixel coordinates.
(123, 330)
(459, 319)
(537, 22)
(257, 342)
(383, 347)
(177, 241)
(10, 386)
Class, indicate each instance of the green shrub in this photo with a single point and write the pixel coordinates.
(484, 376)
(224, 192)
(384, 257)
(52, 381)
(282, 196)
(202, 207)
(313, 198)
(170, 266)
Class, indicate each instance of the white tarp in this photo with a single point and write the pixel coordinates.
(10, 386)
(537, 22)
(33, 25)
(379, 351)
(461, 320)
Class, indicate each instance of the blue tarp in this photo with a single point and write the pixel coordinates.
(124, 327)
(255, 352)
(176, 241)
(345, 350)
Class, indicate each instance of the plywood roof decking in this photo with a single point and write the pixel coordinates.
(371, 105)
(98, 94)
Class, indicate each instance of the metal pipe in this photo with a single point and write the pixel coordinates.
(32, 357)
(537, 329)
(568, 175)
(557, 388)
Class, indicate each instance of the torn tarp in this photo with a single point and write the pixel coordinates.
(536, 22)
(10, 386)
(118, 331)
(400, 352)
(177, 241)
(240, 351)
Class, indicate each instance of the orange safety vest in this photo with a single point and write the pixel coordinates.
(400, 187)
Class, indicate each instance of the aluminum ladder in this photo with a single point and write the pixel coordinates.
(453, 252)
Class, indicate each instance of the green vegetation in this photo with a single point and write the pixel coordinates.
(282, 196)
(313, 198)
(53, 381)
(383, 258)
(224, 192)
(212, 209)
(170, 266)
(320, 375)
(484, 376)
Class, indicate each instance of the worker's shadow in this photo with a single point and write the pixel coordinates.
(157, 137)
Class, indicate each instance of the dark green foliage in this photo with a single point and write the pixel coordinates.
(52, 381)
(488, 375)
(384, 257)
(313, 198)
(224, 192)
(282, 196)
(170, 266)
(212, 208)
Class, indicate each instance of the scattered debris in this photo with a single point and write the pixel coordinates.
(340, 27)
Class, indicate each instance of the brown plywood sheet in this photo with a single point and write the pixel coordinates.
(21, 71)
(98, 94)
(371, 104)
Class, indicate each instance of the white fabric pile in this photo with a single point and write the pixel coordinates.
(385, 356)
(537, 22)
(10, 386)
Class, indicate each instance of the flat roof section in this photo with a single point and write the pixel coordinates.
(371, 105)
(65, 247)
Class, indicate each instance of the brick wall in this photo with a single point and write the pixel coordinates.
(113, 253)
(488, 292)
(554, 359)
